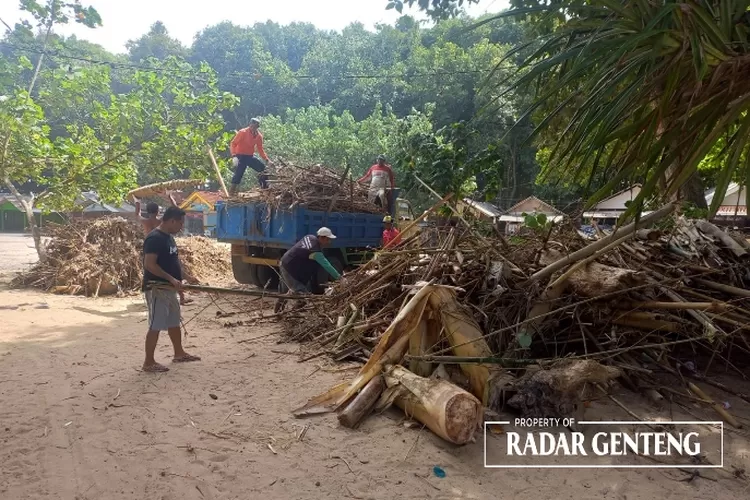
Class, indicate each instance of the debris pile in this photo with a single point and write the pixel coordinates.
(531, 323)
(206, 259)
(89, 257)
(103, 257)
(316, 187)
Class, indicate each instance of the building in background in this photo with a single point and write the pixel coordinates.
(512, 219)
(200, 207)
(606, 212)
(482, 210)
(13, 217)
(89, 206)
(733, 208)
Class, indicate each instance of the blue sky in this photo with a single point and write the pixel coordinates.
(128, 19)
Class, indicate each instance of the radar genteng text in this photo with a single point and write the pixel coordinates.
(559, 442)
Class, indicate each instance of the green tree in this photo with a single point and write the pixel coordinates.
(155, 44)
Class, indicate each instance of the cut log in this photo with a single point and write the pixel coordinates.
(447, 410)
(362, 404)
(720, 235)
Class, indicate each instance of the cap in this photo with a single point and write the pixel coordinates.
(381, 157)
(387, 218)
(255, 120)
(324, 231)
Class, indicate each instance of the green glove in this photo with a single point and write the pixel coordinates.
(326, 264)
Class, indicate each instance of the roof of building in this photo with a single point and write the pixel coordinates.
(539, 206)
(10, 198)
(208, 198)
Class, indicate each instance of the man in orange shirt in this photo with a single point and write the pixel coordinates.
(242, 149)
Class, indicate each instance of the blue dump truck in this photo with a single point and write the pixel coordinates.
(260, 234)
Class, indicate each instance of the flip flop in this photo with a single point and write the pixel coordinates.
(186, 359)
(157, 368)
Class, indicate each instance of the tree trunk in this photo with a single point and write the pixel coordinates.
(692, 191)
(28, 208)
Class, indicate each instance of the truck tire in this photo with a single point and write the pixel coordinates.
(243, 272)
(265, 273)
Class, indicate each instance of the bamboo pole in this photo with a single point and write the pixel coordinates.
(232, 291)
(733, 290)
(218, 172)
(717, 407)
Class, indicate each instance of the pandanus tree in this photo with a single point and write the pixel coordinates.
(643, 90)
(639, 90)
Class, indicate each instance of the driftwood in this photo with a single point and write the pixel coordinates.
(725, 239)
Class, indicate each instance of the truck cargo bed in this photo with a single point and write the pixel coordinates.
(257, 224)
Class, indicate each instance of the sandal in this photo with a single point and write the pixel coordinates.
(155, 368)
(186, 359)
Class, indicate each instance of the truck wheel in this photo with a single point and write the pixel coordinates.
(243, 272)
(264, 274)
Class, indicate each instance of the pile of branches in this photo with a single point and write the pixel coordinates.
(206, 259)
(672, 299)
(315, 187)
(103, 257)
(89, 257)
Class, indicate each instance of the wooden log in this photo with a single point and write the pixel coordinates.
(447, 410)
(362, 404)
(720, 235)
(604, 242)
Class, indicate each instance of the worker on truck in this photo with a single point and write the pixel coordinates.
(300, 263)
(382, 183)
(242, 148)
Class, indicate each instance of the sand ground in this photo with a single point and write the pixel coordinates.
(78, 420)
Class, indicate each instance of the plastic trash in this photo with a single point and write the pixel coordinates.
(438, 471)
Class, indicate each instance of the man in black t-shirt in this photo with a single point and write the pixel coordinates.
(161, 263)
